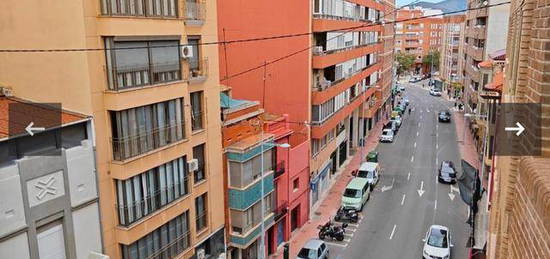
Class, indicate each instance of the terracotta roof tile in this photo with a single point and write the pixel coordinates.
(498, 82)
(486, 64)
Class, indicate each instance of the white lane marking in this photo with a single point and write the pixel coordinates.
(436, 146)
(403, 200)
(352, 225)
(348, 235)
(435, 205)
(414, 144)
(412, 158)
(336, 244)
(393, 231)
(418, 133)
(427, 110)
(408, 176)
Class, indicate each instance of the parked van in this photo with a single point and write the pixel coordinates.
(369, 171)
(356, 194)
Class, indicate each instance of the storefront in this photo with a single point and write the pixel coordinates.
(319, 183)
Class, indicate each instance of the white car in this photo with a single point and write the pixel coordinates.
(387, 135)
(437, 243)
(314, 249)
(402, 88)
(435, 92)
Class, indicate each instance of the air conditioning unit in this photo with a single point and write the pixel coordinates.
(201, 254)
(193, 165)
(318, 50)
(186, 51)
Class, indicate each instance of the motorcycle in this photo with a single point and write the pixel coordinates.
(346, 215)
(332, 231)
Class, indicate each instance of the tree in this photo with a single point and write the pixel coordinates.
(432, 59)
(405, 62)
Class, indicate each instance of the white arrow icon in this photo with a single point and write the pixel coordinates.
(30, 129)
(451, 194)
(386, 188)
(519, 129)
(421, 191)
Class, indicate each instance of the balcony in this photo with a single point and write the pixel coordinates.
(149, 140)
(175, 247)
(245, 239)
(138, 8)
(279, 169)
(475, 52)
(195, 13)
(323, 61)
(241, 199)
(323, 23)
(140, 76)
(198, 70)
(476, 32)
(281, 210)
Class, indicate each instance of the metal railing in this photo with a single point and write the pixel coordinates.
(198, 69)
(323, 85)
(196, 120)
(164, 8)
(173, 248)
(281, 210)
(138, 76)
(343, 18)
(279, 169)
(195, 11)
(318, 50)
(134, 145)
(151, 203)
(202, 221)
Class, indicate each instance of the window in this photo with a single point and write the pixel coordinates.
(142, 129)
(194, 41)
(167, 241)
(243, 174)
(196, 111)
(296, 184)
(198, 153)
(51, 240)
(139, 63)
(200, 210)
(152, 8)
(150, 191)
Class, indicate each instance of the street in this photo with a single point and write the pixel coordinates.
(408, 199)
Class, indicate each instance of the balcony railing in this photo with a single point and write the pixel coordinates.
(202, 221)
(196, 120)
(166, 8)
(174, 248)
(134, 211)
(198, 70)
(195, 12)
(279, 169)
(325, 84)
(342, 18)
(138, 76)
(318, 50)
(134, 145)
(281, 210)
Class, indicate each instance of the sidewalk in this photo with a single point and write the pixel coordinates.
(466, 146)
(328, 206)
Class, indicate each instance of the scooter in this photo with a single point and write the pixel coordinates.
(332, 231)
(346, 215)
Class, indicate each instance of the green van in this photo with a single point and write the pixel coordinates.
(356, 194)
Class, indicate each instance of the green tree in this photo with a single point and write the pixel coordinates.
(404, 62)
(432, 59)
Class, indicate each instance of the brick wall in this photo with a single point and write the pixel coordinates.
(520, 213)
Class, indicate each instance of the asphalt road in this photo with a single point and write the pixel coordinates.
(395, 220)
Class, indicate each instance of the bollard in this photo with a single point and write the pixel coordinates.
(286, 251)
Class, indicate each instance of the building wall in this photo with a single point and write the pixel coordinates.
(498, 19)
(253, 19)
(519, 225)
(82, 87)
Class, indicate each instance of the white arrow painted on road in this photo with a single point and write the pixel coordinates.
(519, 129)
(409, 176)
(30, 129)
(387, 188)
(421, 191)
(451, 194)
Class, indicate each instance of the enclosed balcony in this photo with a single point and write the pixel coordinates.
(195, 13)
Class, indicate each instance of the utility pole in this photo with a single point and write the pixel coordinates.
(264, 79)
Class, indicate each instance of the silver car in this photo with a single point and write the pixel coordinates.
(314, 249)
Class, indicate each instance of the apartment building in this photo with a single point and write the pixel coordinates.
(485, 33)
(518, 223)
(420, 36)
(48, 183)
(260, 150)
(451, 62)
(155, 109)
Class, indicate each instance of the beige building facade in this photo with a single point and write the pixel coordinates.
(451, 61)
(155, 110)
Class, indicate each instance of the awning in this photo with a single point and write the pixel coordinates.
(498, 82)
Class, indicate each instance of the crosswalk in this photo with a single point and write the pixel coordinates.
(348, 234)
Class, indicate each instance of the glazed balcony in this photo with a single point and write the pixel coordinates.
(323, 23)
(198, 71)
(323, 61)
(140, 8)
(195, 13)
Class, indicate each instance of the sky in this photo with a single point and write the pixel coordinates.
(404, 2)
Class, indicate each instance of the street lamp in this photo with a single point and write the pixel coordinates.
(272, 144)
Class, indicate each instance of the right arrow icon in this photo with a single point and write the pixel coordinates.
(519, 128)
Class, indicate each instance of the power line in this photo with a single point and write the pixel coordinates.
(393, 22)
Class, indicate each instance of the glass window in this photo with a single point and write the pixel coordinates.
(196, 110)
(200, 210)
(198, 153)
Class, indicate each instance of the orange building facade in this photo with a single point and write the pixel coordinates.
(418, 36)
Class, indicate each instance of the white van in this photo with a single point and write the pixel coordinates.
(369, 171)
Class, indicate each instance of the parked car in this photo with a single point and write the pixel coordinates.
(397, 120)
(356, 194)
(372, 157)
(406, 101)
(369, 171)
(437, 243)
(446, 172)
(402, 88)
(444, 116)
(414, 80)
(391, 125)
(435, 92)
(387, 135)
(314, 249)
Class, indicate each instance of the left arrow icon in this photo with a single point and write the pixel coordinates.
(31, 130)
